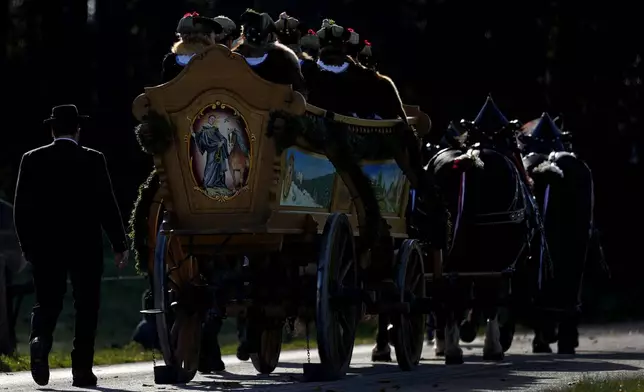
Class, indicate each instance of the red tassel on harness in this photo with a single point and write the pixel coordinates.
(312, 32)
(456, 165)
(190, 14)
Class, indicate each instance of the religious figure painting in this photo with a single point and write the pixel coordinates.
(220, 151)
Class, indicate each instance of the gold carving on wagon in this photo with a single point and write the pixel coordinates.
(220, 150)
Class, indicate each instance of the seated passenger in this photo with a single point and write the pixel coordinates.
(195, 33)
(310, 44)
(344, 86)
(269, 59)
(230, 37)
(289, 33)
(365, 57)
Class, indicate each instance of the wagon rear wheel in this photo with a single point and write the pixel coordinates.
(177, 294)
(409, 329)
(269, 346)
(337, 314)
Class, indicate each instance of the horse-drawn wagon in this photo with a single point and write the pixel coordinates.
(274, 209)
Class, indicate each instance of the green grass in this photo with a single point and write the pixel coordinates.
(118, 317)
(133, 352)
(616, 385)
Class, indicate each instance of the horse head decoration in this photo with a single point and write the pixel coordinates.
(542, 136)
(491, 128)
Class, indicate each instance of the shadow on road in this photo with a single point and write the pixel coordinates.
(516, 372)
(97, 389)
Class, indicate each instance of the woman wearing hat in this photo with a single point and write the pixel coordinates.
(195, 33)
(310, 44)
(231, 34)
(289, 32)
(269, 59)
(344, 86)
(365, 56)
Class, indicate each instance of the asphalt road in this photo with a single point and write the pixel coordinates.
(605, 352)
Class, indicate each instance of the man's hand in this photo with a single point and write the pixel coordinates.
(120, 259)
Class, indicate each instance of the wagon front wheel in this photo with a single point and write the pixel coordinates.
(409, 329)
(269, 346)
(337, 314)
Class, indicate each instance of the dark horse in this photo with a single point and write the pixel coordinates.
(563, 187)
(496, 226)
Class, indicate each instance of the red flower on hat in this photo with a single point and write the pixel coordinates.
(190, 14)
(312, 32)
(367, 43)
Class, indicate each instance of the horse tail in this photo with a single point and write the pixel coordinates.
(547, 173)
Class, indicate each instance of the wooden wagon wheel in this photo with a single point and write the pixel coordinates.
(269, 347)
(179, 322)
(409, 329)
(336, 317)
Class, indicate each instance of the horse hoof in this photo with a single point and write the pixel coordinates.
(454, 360)
(493, 356)
(564, 350)
(541, 349)
(381, 355)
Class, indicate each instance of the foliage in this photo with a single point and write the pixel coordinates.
(155, 134)
(611, 385)
(138, 225)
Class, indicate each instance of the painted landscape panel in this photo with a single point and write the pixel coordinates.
(388, 182)
(307, 180)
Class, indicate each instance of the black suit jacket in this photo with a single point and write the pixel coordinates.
(63, 198)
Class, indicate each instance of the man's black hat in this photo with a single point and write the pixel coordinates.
(65, 114)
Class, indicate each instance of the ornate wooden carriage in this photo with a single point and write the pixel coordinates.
(242, 187)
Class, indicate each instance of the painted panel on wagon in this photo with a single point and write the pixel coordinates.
(307, 180)
(220, 152)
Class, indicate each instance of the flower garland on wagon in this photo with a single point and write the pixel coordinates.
(155, 137)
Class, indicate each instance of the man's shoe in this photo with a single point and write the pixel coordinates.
(39, 362)
(84, 378)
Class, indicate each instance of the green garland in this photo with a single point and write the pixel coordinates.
(138, 224)
(154, 134)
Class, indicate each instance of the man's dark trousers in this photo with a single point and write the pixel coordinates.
(50, 281)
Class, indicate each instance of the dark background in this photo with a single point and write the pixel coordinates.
(580, 59)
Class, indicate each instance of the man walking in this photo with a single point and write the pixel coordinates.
(63, 198)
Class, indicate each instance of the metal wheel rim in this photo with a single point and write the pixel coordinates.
(328, 348)
(411, 278)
